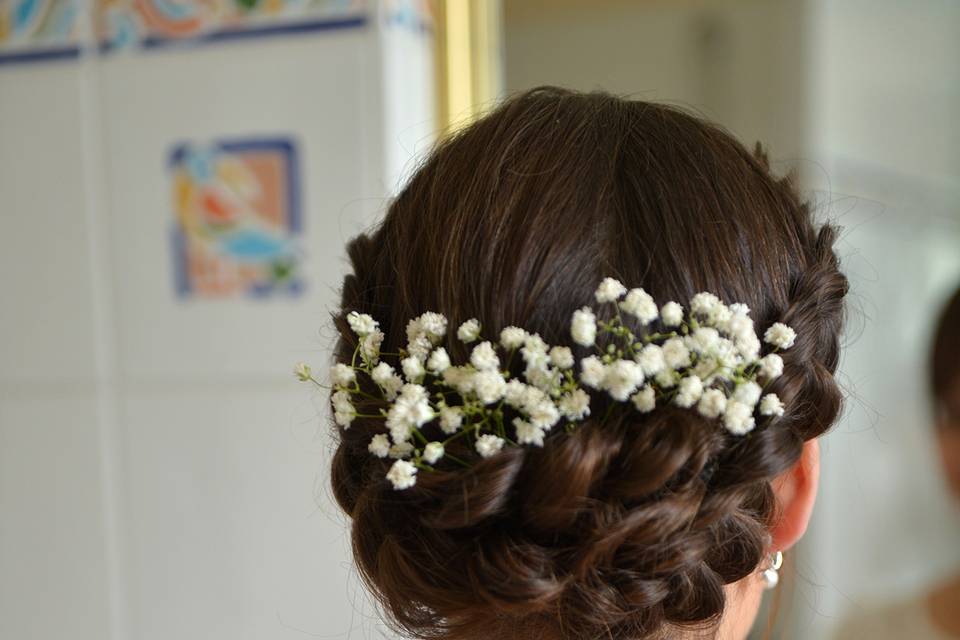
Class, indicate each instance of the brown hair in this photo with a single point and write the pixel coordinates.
(616, 530)
(945, 352)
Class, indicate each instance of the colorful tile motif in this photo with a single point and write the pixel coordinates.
(32, 30)
(237, 218)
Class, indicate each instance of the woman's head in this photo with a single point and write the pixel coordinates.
(620, 529)
(945, 384)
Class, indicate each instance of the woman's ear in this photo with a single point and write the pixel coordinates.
(796, 491)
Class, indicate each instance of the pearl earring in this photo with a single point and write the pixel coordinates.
(771, 575)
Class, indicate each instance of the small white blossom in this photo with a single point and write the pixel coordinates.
(410, 409)
(381, 373)
(704, 340)
(343, 409)
(740, 326)
(562, 357)
(748, 346)
(609, 290)
(688, 392)
(451, 418)
(379, 445)
(342, 375)
(738, 417)
(651, 360)
(771, 366)
(583, 327)
(712, 403)
(400, 450)
(469, 330)
(439, 360)
(489, 386)
(645, 400)
(622, 378)
(770, 405)
(592, 372)
(361, 323)
(370, 345)
(489, 445)
(514, 393)
(639, 303)
(667, 379)
(302, 371)
(412, 369)
(528, 433)
(420, 346)
(512, 337)
(705, 304)
(459, 378)
(748, 393)
(675, 353)
(433, 324)
(391, 386)
(433, 452)
(575, 405)
(780, 336)
(739, 309)
(543, 414)
(484, 358)
(402, 475)
(671, 314)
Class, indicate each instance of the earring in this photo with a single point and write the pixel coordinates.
(771, 575)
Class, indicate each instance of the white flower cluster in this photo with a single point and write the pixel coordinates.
(708, 359)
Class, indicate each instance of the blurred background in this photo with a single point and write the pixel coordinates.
(178, 179)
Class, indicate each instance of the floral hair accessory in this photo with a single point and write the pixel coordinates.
(707, 359)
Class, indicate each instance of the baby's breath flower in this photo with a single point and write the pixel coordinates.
(671, 314)
(514, 393)
(583, 327)
(484, 358)
(469, 330)
(640, 304)
(748, 393)
(622, 379)
(780, 336)
(302, 371)
(451, 418)
(458, 378)
(343, 410)
(391, 386)
(370, 345)
(592, 372)
(675, 353)
(644, 400)
(704, 304)
(609, 290)
(412, 369)
(434, 325)
(381, 373)
(410, 409)
(420, 346)
(543, 414)
(361, 323)
(342, 375)
(489, 445)
(489, 386)
(433, 452)
(712, 403)
(738, 417)
(704, 340)
(562, 357)
(770, 405)
(667, 379)
(402, 475)
(688, 392)
(512, 337)
(527, 433)
(771, 366)
(439, 360)
(651, 360)
(575, 405)
(400, 450)
(379, 445)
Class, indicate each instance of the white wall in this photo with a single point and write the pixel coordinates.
(162, 474)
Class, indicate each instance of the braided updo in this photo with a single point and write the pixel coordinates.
(618, 530)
